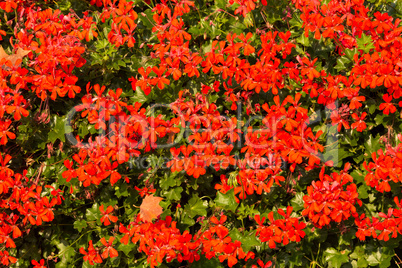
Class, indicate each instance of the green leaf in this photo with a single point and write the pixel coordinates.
(65, 251)
(383, 119)
(169, 181)
(342, 63)
(146, 18)
(350, 139)
(371, 208)
(106, 196)
(303, 40)
(196, 30)
(275, 11)
(174, 194)
(335, 258)
(121, 63)
(101, 44)
(372, 144)
(126, 248)
(221, 3)
(246, 211)
(121, 190)
(83, 129)
(365, 43)
(350, 53)
(79, 225)
(381, 256)
(296, 22)
(93, 213)
(63, 5)
(22, 263)
(358, 176)
(86, 264)
(187, 220)
(226, 201)
(238, 27)
(205, 263)
(139, 96)
(297, 202)
(248, 20)
(361, 262)
(398, 7)
(196, 207)
(359, 255)
(372, 105)
(247, 239)
(336, 154)
(60, 126)
(293, 259)
(362, 191)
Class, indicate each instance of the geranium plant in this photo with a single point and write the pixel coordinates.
(180, 133)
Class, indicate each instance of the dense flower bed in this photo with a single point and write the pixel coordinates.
(238, 133)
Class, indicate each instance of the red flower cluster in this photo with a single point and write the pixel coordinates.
(162, 240)
(245, 6)
(382, 227)
(127, 130)
(281, 136)
(216, 242)
(54, 39)
(23, 204)
(11, 5)
(173, 51)
(97, 255)
(328, 200)
(22, 200)
(123, 21)
(211, 135)
(346, 22)
(107, 217)
(385, 168)
(280, 230)
(12, 103)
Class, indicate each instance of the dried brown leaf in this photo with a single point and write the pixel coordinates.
(19, 55)
(150, 208)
